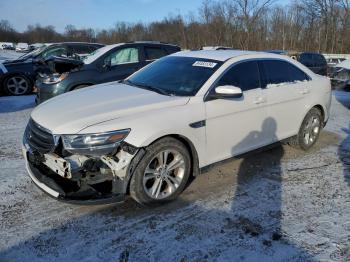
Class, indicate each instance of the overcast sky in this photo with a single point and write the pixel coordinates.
(90, 13)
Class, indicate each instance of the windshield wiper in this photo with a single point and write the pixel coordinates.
(148, 87)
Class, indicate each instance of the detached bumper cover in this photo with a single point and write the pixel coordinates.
(51, 185)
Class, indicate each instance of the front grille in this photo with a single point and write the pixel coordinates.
(38, 138)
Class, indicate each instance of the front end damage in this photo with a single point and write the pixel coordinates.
(77, 178)
(340, 77)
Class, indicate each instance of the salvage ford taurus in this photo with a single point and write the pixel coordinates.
(146, 135)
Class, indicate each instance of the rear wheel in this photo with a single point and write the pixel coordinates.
(309, 131)
(162, 173)
(17, 85)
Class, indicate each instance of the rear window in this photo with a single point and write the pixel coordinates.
(319, 60)
(277, 72)
(306, 59)
(82, 49)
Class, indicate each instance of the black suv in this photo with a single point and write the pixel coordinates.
(17, 76)
(110, 63)
(314, 61)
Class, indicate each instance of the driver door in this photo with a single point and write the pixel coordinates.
(235, 125)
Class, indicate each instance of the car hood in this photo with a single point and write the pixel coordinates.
(17, 61)
(72, 112)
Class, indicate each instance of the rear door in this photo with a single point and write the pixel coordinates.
(120, 63)
(286, 89)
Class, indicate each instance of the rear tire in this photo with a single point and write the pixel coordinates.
(162, 173)
(309, 131)
(17, 85)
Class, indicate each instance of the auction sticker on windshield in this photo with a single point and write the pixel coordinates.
(204, 64)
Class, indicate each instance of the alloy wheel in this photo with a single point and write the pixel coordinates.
(164, 174)
(17, 85)
(311, 130)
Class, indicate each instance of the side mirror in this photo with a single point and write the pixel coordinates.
(227, 92)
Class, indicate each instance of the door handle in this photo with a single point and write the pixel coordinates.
(259, 100)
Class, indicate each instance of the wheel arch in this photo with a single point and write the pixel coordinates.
(188, 144)
(11, 74)
(322, 110)
(190, 147)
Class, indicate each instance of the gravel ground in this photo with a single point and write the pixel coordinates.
(280, 204)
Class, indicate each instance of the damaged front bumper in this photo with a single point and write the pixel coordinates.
(81, 179)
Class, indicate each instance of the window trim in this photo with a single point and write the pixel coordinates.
(212, 86)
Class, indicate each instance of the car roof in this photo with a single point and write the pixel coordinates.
(219, 55)
(74, 43)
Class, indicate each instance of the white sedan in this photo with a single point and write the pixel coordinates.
(146, 135)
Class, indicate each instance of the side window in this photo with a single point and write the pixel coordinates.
(319, 60)
(277, 72)
(152, 53)
(80, 49)
(124, 56)
(297, 74)
(244, 75)
(274, 72)
(55, 51)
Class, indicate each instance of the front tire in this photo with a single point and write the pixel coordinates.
(162, 173)
(17, 85)
(309, 131)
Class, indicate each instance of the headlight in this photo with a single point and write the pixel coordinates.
(94, 144)
(55, 78)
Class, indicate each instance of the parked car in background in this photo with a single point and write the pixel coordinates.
(110, 63)
(22, 47)
(35, 46)
(314, 61)
(331, 62)
(146, 135)
(8, 47)
(340, 74)
(17, 76)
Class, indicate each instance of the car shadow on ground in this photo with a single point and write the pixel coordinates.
(245, 226)
(9, 104)
(343, 149)
(344, 155)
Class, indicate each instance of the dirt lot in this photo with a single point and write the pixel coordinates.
(280, 204)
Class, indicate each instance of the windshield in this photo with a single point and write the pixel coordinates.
(180, 76)
(97, 53)
(33, 53)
